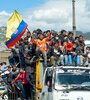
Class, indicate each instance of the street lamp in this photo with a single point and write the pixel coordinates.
(73, 18)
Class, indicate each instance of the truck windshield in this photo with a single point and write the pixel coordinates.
(68, 79)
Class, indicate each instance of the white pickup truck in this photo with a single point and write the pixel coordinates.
(66, 83)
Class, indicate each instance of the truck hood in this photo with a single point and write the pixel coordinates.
(71, 95)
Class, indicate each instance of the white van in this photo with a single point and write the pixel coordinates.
(66, 83)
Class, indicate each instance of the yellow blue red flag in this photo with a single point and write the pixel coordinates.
(16, 27)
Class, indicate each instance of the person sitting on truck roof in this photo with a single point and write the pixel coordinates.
(76, 54)
(81, 46)
(68, 48)
(56, 54)
(41, 46)
(87, 56)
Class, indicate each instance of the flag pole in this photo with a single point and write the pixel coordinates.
(28, 30)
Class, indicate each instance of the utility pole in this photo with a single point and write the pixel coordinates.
(73, 18)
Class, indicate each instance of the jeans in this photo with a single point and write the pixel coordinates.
(76, 59)
(68, 59)
(22, 89)
(62, 59)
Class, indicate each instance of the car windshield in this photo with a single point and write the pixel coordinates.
(63, 80)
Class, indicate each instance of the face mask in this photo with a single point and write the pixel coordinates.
(57, 38)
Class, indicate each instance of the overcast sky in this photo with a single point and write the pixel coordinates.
(48, 14)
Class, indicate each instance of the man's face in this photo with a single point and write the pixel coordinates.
(70, 35)
(28, 34)
(48, 34)
(14, 67)
(41, 37)
(56, 45)
(64, 33)
(45, 34)
(26, 40)
(9, 69)
(81, 38)
(77, 39)
(21, 42)
(87, 48)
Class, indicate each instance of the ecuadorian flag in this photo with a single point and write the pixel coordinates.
(16, 27)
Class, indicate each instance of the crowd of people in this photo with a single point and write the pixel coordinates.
(53, 48)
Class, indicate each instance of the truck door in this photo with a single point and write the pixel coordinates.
(47, 86)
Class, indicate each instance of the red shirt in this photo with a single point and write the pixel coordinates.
(69, 46)
(22, 77)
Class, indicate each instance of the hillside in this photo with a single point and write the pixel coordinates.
(85, 35)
